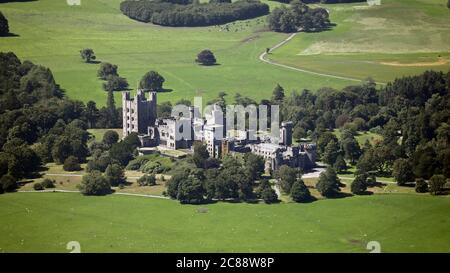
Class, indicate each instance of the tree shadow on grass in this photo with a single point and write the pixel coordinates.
(340, 195)
(209, 65)
(94, 62)
(9, 35)
(164, 90)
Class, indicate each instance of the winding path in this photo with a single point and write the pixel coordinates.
(263, 58)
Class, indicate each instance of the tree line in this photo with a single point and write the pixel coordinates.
(322, 1)
(175, 14)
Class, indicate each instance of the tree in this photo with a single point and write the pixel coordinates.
(329, 184)
(71, 164)
(61, 150)
(331, 153)
(173, 183)
(91, 113)
(277, 95)
(110, 137)
(200, 155)
(147, 180)
(115, 83)
(4, 26)
(152, 81)
(403, 171)
(206, 57)
(107, 69)
(94, 183)
(115, 175)
(99, 162)
(286, 176)
(299, 133)
(421, 185)
(190, 191)
(299, 192)
(8, 183)
(269, 195)
(340, 164)
(436, 184)
(359, 184)
(87, 55)
(110, 114)
(254, 165)
(323, 141)
(448, 4)
(351, 148)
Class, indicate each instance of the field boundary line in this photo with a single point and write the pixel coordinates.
(263, 58)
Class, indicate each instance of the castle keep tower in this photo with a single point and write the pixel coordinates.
(139, 112)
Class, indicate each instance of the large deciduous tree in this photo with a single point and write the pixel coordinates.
(87, 55)
(152, 81)
(206, 57)
(286, 176)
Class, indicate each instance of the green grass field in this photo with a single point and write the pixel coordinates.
(45, 222)
(397, 38)
(51, 33)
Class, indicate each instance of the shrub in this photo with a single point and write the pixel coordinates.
(38, 187)
(47, 183)
(71, 164)
(115, 175)
(437, 183)
(152, 167)
(147, 180)
(94, 183)
(421, 185)
(8, 183)
(359, 184)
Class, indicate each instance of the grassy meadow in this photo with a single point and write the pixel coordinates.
(51, 33)
(397, 38)
(40, 222)
(379, 41)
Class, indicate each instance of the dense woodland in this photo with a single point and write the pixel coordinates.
(186, 13)
(38, 124)
(298, 17)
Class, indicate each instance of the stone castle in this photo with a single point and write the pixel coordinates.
(181, 132)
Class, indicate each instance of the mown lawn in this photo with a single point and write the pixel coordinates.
(45, 222)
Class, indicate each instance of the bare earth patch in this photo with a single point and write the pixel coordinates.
(440, 61)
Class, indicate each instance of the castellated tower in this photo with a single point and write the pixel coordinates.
(139, 113)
